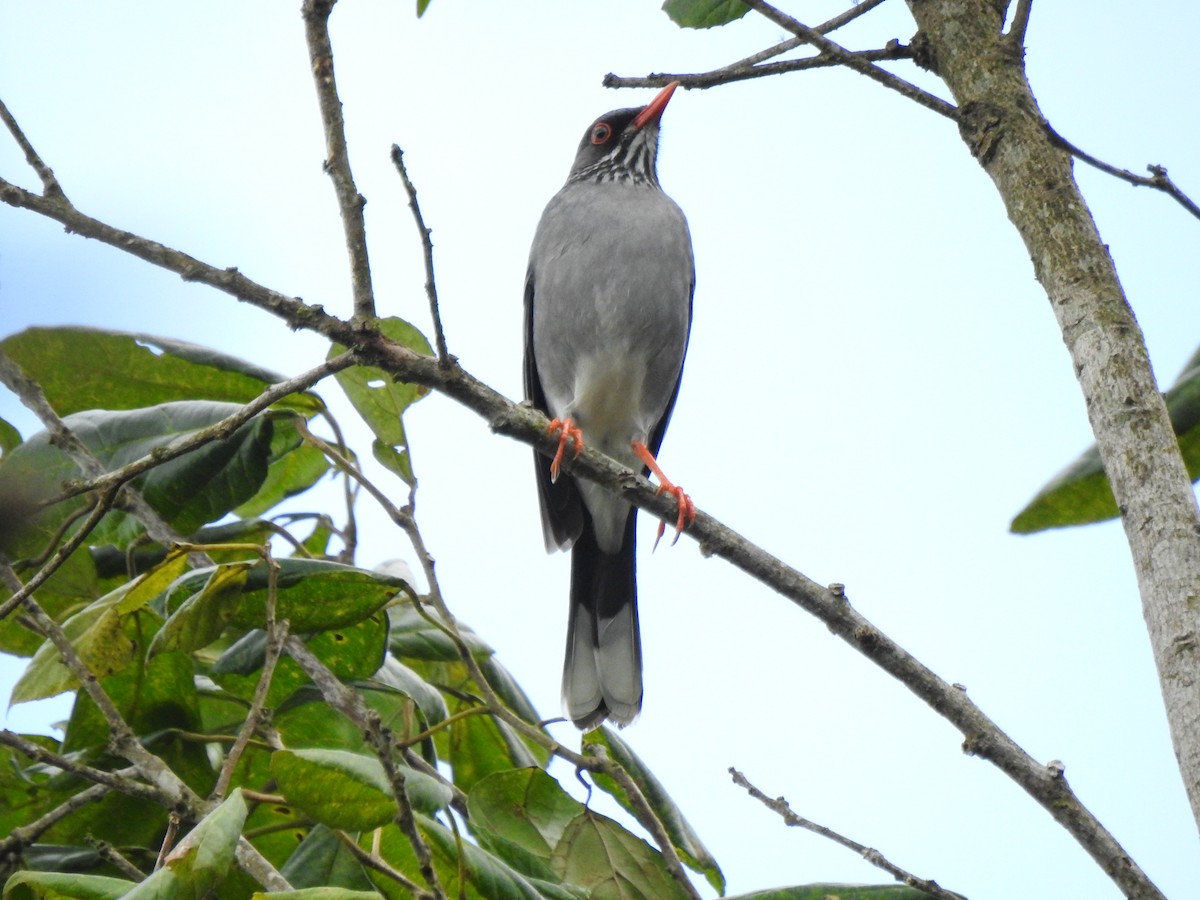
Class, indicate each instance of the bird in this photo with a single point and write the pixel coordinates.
(608, 312)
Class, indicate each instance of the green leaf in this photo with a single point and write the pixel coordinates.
(323, 864)
(104, 635)
(9, 437)
(202, 617)
(289, 474)
(399, 677)
(526, 818)
(349, 791)
(29, 885)
(598, 854)
(480, 746)
(162, 885)
(414, 637)
(522, 815)
(490, 876)
(203, 858)
(704, 13)
(313, 594)
(687, 844)
(381, 400)
(188, 492)
(422, 5)
(1081, 494)
(90, 368)
(102, 638)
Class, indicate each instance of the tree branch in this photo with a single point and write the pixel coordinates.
(1157, 179)
(830, 54)
(983, 737)
(427, 246)
(780, 806)
(337, 157)
(738, 72)
(50, 184)
(825, 27)
(846, 58)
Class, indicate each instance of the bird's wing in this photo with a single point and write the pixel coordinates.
(660, 427)
(561, 505)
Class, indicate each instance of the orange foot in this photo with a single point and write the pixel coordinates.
(568, 432)
(687, 509)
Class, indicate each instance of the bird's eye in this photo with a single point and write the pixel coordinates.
(601, 132)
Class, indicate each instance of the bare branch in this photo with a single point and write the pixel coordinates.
(427, 245)
(50, 184)
(829, 54)
(277, 633)
(1157, 179)
(874, 857)
(846, 58)
(737, 72)
(337, 158)
(121, 781)
(826, 27)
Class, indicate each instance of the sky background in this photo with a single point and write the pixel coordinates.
(875, 384)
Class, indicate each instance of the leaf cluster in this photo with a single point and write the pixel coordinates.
(179, 637)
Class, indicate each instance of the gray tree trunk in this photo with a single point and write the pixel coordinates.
(1004, 129)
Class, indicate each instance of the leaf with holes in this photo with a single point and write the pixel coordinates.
(381, 400)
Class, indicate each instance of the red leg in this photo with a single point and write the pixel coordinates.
(567, 432)
(687, 509)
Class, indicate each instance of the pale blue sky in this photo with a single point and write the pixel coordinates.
(875, 383)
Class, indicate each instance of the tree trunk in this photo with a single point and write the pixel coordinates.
(1004, 129)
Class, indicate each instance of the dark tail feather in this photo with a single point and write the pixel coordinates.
(602, 674)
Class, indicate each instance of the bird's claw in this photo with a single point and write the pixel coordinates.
(687, 513)
(568, 432)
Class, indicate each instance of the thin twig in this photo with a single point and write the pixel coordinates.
(1019, 24)
(115, 858)
(734, 73)
(277, 633)
(825, 27)
(380, 865)
(26, 835)
(844, 56)
(65, 549)
(121, 781)
(874, 857)
(337, 157)
(1157, 179)
(50, 185)
(427, 245)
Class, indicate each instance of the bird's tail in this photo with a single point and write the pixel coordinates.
(602, 674)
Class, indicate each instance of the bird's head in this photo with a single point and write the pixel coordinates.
(622, 145)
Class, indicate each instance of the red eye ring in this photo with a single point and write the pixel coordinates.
(601, 132)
